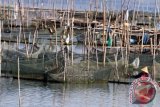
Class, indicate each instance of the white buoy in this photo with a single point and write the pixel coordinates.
(126, 15)
(136, 62)
(67, 39)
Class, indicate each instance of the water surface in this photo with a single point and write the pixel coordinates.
(38, 94)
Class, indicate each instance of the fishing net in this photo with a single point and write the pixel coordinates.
(145, 60)
(83, 68)
(89, 69)
(33, 68)
(156, 70)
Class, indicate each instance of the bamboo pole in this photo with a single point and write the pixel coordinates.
(88, 41)
(55, 28)
(0, 47)
(104, 33)
(33, 41)
(72, 41)
(154, 52)
(21, 25)
(68, 28)
(127, 49)
(85, 41)
(155, 41)
(65, 59)
(151, 46)
(95, 36)
(142, 41)
(72, 32)
(117, 72)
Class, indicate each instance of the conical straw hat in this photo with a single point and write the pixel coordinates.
(126, 24)
(145, 69)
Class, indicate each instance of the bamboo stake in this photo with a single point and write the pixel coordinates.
(97, 56)
(72, 40)
(142, 41)
(154, 68)
(68, 27)
(72, 32)
(128, 42)
(55, 28)
(64, 76)
(151, 46)
(88, 41)
(34, 40)
(0, 47)
(117, 72)
(86, 34)
(95, 36)
(134, 12)
(21, 25)
(27, 12)
(104, 33)
(154, 44)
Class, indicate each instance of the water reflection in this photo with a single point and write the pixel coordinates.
(36, 94)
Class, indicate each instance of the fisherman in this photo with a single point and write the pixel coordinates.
(109, 37)
(144, 73)
(144, 92)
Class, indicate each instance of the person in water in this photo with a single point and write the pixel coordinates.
(144, 73)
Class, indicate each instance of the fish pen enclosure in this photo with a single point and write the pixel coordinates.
(32, 68)
(89, 70)
(80, 40)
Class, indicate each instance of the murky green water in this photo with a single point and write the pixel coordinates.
(38, 94)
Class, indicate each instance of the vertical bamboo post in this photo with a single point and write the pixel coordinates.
(72, 33)
(127, 48)
(0, 46)
(88, 41)
(55, 28)
(155, 41)
(64, 75)
(21, 24)
(104, 33)
(142, 41)
(154, 53)
(97, 56)
(33, 41)
(85, 45)
(116, 64)
(72, 41)
(151, 46)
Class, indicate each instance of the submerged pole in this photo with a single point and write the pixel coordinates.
(19, 91)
